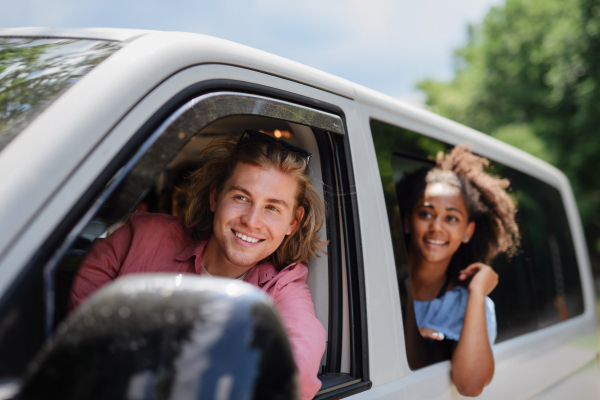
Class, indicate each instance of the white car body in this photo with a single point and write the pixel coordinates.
(49, 166)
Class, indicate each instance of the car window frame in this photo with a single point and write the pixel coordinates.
(515, 168)
(141, 140)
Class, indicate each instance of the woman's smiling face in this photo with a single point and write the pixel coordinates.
(438, 224)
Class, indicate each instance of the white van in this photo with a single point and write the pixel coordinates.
(95, 123)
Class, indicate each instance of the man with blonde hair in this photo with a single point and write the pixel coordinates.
(252, 214)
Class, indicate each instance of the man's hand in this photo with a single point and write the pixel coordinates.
(484, 278)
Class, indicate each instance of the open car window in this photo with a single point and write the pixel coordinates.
(154, 178)
(151, 178)
(538, 287)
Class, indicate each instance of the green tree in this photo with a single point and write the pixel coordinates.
(530, 76)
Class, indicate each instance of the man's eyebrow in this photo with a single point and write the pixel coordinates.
(278, 201)
(241, 189)
(274, 201)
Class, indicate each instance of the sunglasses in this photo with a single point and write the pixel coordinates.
(264, 138)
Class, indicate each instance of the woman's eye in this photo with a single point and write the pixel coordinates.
(452, 218)
(240, 197)
(424, 214)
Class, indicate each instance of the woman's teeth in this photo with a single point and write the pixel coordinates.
(435, 241)
(246, 238)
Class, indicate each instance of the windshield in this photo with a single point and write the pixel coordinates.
(34, 72)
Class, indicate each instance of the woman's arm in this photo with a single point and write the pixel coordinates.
(473, 361)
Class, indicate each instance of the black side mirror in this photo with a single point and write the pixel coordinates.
(163, 336)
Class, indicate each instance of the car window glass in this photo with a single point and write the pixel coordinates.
(546, 263)
(34, 72)
(538, 287)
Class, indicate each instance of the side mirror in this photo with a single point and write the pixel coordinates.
(163, 336)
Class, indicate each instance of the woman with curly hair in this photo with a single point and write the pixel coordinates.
(456, 219)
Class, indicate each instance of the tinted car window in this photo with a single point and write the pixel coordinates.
(34, 72)
(541, 284)
(538, 287)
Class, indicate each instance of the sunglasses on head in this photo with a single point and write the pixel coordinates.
(264, 138)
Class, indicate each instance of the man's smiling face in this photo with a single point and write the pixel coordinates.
(253, 213)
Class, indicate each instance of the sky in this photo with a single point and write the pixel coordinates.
(385, 45)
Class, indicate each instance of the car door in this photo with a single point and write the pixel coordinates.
(134, 166)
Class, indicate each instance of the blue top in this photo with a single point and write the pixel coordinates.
(446, 314)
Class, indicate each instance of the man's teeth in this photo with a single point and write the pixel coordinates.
(246, 238)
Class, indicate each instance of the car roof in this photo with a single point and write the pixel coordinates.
(116, 34)
(212, 49)
(246, 57)
(195, 49)
(183, 50)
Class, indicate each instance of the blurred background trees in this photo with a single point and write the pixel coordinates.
(530, 76)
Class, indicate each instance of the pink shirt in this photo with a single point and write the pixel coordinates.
(159, 243)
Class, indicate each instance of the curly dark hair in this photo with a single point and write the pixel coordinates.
(485, 196)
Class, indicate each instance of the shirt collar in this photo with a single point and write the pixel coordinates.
(260, 274)
(263, 272)
(193, 249)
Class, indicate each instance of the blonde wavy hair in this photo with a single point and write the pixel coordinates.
(220, 158)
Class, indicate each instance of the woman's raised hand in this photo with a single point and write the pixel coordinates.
(431, 334)
(484, 279)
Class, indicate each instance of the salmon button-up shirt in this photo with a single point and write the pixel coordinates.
(159, 243)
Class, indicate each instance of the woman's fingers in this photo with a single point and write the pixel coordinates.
(473, 268)
(470, 270)
(484, 279)
(431, 334)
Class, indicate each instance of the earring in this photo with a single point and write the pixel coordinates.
(466, 240)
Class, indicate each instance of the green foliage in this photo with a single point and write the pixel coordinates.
(529, 76)
(524, 138)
